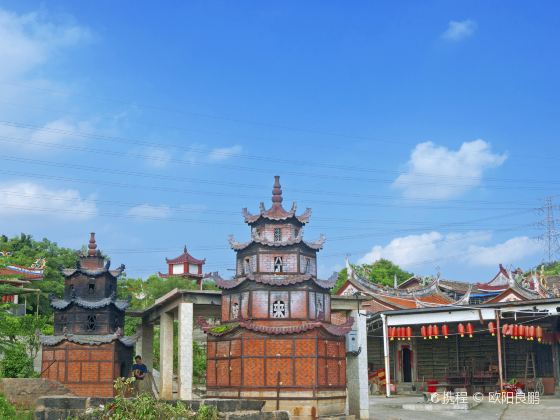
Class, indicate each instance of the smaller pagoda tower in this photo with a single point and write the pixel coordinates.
(88, 350)
(186, 266)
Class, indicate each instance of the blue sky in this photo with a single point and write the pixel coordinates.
(422, 132)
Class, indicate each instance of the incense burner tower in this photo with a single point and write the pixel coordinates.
(276, 341)
(88, 350)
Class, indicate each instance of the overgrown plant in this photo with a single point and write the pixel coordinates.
(145, 407)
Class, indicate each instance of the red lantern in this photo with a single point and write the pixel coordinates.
(399, 333)
(510, 330)
(530, 332)
(424, 331)
(461, 330)
(436, 331)
(391, 334)
(505, 330)
(492, 328)
(515, 332)
(430, 331)
(445, 330)
(408, 333)
(539, 333)
(470, 330)
(521, 332)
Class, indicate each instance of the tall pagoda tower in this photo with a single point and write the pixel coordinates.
(276, 340)
(88, 350)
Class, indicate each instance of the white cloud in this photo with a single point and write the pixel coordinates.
(148, 211)
(223, 153)
(25, 198)
(157, 157)
(435, 172)
(507, 252)
(29, 40)
(468, 248)
(459, 30)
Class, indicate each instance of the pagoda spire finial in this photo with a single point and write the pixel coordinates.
(92, 246)
(277, 192)
(185, 249)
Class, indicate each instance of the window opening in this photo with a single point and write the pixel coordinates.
(91, 288)
(279, 309)
(278, 266)
(277, 234)
(307, 265)
(91, 320)
(235, 311)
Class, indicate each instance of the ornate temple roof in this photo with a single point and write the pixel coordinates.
(185, 257)
(53, 340)
(239, 246)
(22, 272)
(273, 279)
(276, 212)
(89, 304)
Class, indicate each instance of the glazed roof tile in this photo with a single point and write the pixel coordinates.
(53, 340)
(338, 330)
(89, 304)
(21, 272)
(238, 246)
(274, 280)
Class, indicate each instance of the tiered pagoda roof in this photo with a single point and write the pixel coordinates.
(185, 257)
(277, 212)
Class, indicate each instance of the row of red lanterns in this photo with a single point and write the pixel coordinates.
(400, 333)
(7, 298)
(520, 332)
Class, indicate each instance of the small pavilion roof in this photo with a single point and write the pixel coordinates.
(274, 280)
(185, 257)
(277, 212)
(238, 246)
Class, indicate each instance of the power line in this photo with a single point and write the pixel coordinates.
(136, 142)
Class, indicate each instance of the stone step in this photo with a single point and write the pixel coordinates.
(341, 417)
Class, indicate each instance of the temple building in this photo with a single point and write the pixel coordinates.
(276, 340)
(186, 266)
(88, 350)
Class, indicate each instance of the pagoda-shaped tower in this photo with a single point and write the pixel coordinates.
(88, 350)
(186, 266)
(276, 341)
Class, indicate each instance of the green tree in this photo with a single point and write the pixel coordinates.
(381, 272)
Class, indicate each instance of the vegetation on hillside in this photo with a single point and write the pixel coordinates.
(381, 272)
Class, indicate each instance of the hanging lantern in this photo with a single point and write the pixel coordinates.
(515, 332)
(445, 330)
(521, 335)
(391, 333)
(424, 332)
(409, 333)
(531, 333)
(510, 330)
(430, 331)
(461, 330)
(470, 330)
(539, 333)
(505, 330)
(400, 333)
(435, 330)
(492, 328)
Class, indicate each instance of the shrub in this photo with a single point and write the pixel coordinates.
(7, 410)
(17, 363)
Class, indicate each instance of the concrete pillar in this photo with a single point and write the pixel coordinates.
(185, 373)
(166, 356)
(357, 371)
(144, 345)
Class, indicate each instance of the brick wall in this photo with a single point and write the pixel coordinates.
(302, 361)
